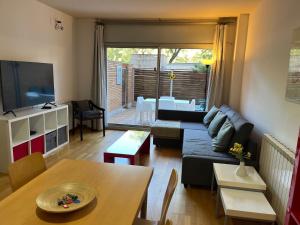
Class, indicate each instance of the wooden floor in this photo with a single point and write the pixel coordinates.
(191, 206)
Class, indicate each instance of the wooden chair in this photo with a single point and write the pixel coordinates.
(167, 199)
(86, 110)
(25, 169)
(169, 222)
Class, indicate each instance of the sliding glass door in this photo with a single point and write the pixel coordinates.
(183, 79)
(136, 87)
(132, 78)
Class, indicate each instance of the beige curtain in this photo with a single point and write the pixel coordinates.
(99, 92)
(217, 73)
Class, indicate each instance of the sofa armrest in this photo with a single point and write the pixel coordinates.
(185, 116)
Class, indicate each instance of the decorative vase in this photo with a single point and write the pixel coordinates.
(241, 170)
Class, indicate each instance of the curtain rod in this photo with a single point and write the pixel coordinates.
(225, 20)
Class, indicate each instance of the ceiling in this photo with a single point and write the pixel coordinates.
(153, 9)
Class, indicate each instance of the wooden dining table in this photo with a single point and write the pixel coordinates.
(121, 193)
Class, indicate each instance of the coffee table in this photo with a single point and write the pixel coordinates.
(129, 145)
(226, 178)
(248, 205)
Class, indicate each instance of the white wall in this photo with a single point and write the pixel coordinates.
(27, 34)
(84, 41)
(266, 67)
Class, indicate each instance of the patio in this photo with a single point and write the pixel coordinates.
(127, 116)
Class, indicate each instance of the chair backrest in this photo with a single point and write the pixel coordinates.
(192, 106)
(167, 97)
(168, 222)
(193, 102)
(167, 104)
(81, 106)
(168, 196)
(139, 103)
(25, 169)
(148, 106)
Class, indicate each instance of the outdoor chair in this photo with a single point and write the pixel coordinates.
(139, 108)
(167, 97)
(86, 110)
(167, 104)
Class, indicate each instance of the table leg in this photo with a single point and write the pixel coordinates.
(212, 183)
(133, 160)
(145, 149)
(217, 202)
(225, 220)
(108, 158)
(144, 207)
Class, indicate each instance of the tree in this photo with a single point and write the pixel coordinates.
(175, 53)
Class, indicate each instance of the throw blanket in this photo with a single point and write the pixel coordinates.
(166, 129)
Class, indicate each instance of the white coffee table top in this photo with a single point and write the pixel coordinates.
(247, 205)
(226, 177)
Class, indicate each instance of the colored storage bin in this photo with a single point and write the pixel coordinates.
(38, 145)
(62, 135)
(20, 151)
(51, 141)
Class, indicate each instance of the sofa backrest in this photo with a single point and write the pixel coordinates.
(185, 116)
(242, 127)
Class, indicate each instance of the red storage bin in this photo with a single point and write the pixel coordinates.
(38, 145)
(20, 151)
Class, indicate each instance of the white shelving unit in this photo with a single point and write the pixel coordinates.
(50, 121)
(33, 130)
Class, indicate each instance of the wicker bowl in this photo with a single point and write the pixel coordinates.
(47, 200)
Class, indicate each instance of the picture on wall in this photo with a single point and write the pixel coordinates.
(293, 82)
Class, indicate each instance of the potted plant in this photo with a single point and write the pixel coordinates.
(237, 151)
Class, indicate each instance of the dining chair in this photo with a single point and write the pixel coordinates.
(166, 202)
(25, 169)
(169, 222)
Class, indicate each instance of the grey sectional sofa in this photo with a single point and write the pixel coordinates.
(196, 144)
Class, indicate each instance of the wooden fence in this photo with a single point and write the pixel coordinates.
(187, 85)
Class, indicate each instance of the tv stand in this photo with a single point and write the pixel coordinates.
(48, 107)
(33, 130)
(10, 111)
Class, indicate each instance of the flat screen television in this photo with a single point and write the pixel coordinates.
(25, 84)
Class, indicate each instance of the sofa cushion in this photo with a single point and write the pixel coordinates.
(199, 143)
(166, 129)
(242, 127)
(222, 140)
(210, 115)
(216, 124)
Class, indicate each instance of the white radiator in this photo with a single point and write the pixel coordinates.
(276, 168)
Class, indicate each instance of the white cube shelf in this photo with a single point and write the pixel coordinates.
(30, 132)
(50, 121)
(19, 131)
(62, 118)
(36, 125)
